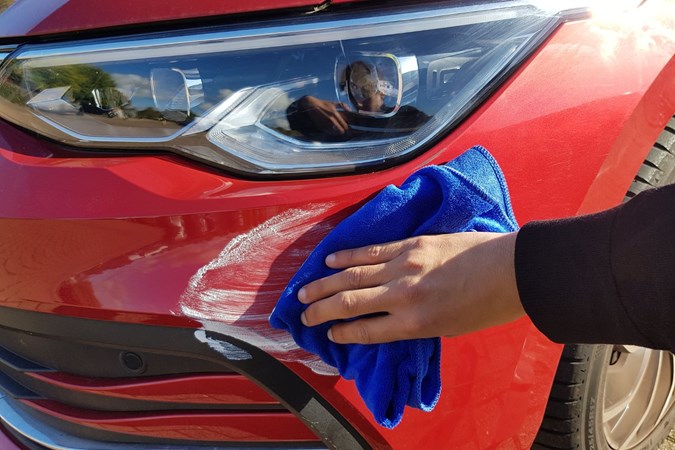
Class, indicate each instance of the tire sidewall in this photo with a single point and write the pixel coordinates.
(594, 401)
(594, 398)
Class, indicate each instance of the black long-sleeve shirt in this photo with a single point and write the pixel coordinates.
(603, 278)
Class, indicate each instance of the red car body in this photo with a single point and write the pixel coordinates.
(99, 240)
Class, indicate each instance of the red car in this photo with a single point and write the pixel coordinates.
(166, 167)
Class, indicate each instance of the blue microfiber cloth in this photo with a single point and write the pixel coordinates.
(467, 194)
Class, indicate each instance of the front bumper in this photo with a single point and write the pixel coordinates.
(138, 242)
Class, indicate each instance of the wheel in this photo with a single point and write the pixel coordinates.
(615, 397)
(658, 169)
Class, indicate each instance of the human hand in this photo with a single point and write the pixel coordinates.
(427, 286)
(325, 114)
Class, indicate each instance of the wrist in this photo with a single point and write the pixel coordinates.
(504, 288)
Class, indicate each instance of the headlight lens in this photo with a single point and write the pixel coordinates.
(327, 96)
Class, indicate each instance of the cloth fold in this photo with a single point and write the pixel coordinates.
(467, 194)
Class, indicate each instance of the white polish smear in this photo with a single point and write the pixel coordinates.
(229, 351)
(235, 293)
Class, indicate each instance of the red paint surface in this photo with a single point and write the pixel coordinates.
(38, 17)
(119, 238)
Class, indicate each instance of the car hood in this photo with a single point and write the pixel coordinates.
(44, 17)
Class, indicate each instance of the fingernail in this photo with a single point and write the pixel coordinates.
(303, 319)
(302, 295)
(330, 335)
(330, 259)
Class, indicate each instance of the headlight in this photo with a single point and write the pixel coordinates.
(327, 95)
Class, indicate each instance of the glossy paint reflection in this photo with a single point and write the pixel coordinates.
(33, 17)
(120, 238)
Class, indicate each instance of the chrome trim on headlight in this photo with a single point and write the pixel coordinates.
(266, 99)
(5, 51)
(263, 37)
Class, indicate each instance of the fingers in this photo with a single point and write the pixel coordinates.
(325, 115)
(370, 283)
(362, 271)
(334, 117)
(373, 330)
(344, 107)
(339, 122)
(369, 255)
(345, 305)
(349, 279)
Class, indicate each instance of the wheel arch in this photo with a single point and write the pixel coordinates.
(633, 144)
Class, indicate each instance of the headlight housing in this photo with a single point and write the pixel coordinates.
(305, 97)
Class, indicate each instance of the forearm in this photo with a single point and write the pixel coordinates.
(604, 278)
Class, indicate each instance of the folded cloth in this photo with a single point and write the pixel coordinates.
(467, 194)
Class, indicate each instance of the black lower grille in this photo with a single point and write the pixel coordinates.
(72, 375)
(96, 359)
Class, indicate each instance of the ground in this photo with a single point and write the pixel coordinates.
(669, 443)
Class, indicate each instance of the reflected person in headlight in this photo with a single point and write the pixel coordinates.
(369, 112)
(366, 89)
(318, 118)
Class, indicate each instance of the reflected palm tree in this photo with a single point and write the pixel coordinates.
(4, 4)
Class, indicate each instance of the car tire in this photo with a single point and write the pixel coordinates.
(615, 397)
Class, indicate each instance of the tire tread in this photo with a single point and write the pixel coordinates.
(561, 427)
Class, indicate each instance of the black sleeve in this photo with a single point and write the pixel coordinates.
(603, 278)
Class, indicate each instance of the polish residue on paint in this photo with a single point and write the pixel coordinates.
(235, 293)
(227, 349)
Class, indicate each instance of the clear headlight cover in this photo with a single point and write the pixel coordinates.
(308, 97)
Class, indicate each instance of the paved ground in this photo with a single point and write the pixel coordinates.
(669, 443)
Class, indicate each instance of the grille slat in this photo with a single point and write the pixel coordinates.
(14, 389)
(23, 379)
(163, 408)
(177, 391)
(42, 435)
(226, 392)
(16, 362)
(183, 425)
